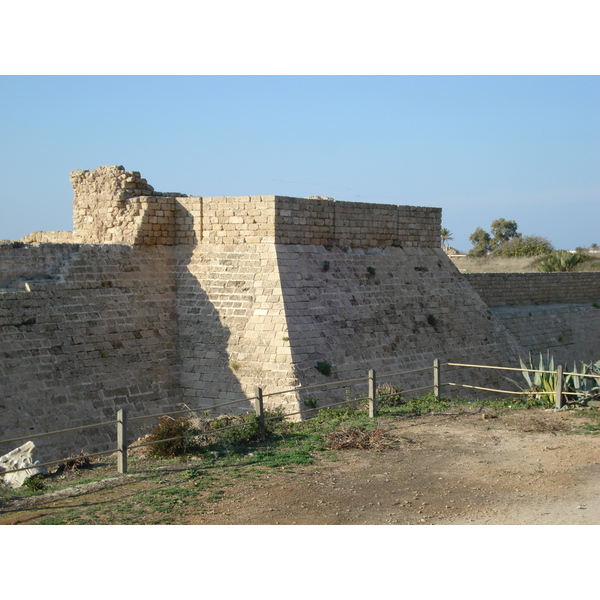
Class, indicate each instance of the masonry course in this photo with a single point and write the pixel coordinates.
(163, 300)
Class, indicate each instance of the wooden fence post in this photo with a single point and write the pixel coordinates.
(559, 387)
(372, 394)
(122, 441)
(260, 412)
(436, 377)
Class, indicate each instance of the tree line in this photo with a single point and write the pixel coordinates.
(505, 240)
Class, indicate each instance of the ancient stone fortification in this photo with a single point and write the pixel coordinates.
(161, 299)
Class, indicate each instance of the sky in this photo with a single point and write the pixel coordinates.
(524, 148)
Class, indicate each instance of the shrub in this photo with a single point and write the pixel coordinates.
(389, 395)
(584, 383)
(528, 245)
(75, 463)
(167, 428)
(562, 261)
(241, 430)
(35, 483)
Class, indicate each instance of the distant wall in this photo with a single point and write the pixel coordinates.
(48, 237)
(546, 312)
(513, 289)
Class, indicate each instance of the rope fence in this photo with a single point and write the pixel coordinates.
(373, 395)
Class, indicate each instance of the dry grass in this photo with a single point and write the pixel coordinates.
(75, 463)
(471, 264)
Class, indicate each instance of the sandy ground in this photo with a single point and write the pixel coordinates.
(521, 468)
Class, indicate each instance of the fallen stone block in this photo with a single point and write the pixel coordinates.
(26, 455)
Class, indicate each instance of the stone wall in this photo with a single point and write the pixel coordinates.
(48, 237)
(98, 334)
(355, 224)
(570, 332)
(390, 309)
(546, 312)
(514, 289)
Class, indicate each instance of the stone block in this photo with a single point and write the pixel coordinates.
(26, 455)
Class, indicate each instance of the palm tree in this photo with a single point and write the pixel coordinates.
(446, 236)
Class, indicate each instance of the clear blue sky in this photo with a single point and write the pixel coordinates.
(480, 147)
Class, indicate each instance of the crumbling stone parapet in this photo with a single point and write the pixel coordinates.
(112, 205)
(115, 206)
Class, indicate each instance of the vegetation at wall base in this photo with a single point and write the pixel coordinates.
(539, 386)
(165, 490)
(167, 428)
(580, 384)
(35, 483)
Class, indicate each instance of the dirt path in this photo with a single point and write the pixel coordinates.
(520, 467)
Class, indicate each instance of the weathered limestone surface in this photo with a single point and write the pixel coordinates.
(99, 334)
(26, 455)
(516, 289)
(556, 312)
(163, 300)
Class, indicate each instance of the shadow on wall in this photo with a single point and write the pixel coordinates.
(206, 378)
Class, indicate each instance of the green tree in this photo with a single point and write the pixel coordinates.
(481, 241)
(503, 231)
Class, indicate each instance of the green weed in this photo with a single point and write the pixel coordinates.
(324, 368)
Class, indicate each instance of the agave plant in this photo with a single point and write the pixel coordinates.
(562, 260)
(584, 383)
(539, 385)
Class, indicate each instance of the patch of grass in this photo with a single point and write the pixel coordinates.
(425, 404)
(286, 457)
(35, 483)
(592, 426)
